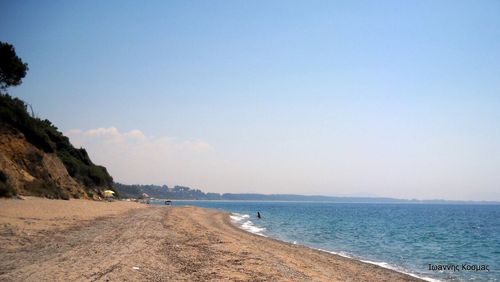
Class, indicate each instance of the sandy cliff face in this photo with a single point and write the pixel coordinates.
(27, 170)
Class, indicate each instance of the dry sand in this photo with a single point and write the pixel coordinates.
(79, 240)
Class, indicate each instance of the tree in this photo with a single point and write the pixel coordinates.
(12, 68)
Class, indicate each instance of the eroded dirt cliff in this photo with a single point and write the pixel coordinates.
(27, 170)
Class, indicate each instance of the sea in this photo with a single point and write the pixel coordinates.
(436, 242)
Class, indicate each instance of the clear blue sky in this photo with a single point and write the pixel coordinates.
(386, 98)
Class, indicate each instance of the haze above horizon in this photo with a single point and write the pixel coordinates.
(371, 98)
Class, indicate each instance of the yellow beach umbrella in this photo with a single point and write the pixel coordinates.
(108, 193)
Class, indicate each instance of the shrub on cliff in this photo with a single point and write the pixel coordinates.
(42, 133)
(46, 137)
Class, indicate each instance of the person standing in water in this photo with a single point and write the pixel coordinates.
(258, 215)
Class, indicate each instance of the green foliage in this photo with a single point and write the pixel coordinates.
(12, 68)
(13, 111)
(42, 134)
(128, 191)
(163, 192)
(80, 167)
(46, 137)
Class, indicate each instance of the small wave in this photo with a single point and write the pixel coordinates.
(388, 266)
(342, 254)
(243, 221)
(381, 264)
(236, 217)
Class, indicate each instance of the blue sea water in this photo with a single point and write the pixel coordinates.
(404, 237)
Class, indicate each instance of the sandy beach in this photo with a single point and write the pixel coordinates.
(80, 240)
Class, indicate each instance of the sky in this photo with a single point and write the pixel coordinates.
(351, 98)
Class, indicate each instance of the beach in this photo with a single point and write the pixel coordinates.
(81, 240)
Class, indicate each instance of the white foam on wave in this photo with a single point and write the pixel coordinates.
(243, 221)
(342, 254)
(236, 217)
(381, 264)
(388, 266)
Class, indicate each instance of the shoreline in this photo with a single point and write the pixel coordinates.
(237, 222)
(378, 264)
(129, 241)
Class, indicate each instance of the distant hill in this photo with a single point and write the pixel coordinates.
(36, 159)
(160, 192)
(186, 193)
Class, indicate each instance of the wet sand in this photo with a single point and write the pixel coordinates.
(79, 240)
